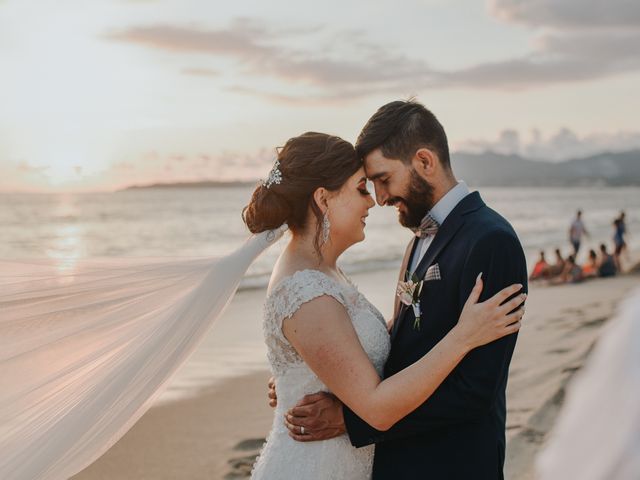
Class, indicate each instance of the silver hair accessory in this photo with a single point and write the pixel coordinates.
(326, 227)
(275, 176)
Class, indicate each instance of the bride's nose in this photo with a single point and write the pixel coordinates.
(370, 203)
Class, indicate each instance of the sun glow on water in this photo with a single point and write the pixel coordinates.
(67, 244)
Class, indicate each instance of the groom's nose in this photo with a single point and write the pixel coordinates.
(381, 197)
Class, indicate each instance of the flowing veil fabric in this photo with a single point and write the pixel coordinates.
(84, 354)
(597, 434)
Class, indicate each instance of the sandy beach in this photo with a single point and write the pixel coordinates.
(216, 432)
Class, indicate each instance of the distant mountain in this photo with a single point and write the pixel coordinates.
(617, 168)
(494, 169)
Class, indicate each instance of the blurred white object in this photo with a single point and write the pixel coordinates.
(597, 434)
(84, 353)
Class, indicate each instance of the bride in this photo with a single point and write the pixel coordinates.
(321, 333)
(86, 348)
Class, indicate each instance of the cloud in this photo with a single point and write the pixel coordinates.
(156, 167)
(557, 59)
(561, 145)
(238, 41)
(21, 175)
(568, 13)
(123, 166)
(258, 53)
(200, 72)
(26, 167)
(574, 40)
(330, 71)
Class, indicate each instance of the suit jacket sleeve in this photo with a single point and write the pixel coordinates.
(472, 389)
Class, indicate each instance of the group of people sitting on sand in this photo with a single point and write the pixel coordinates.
(567, 270)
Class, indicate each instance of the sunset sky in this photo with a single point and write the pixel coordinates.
(100, 94)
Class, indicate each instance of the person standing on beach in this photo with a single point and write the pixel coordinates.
(458, 433)
(576, 231)
(620, 245)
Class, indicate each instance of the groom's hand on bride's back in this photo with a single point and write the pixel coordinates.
(315, 417)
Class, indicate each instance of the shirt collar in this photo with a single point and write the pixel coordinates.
(448, 202)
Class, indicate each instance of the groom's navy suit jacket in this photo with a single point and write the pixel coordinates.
(459, 432)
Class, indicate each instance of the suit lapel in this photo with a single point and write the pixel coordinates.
(408, 253)
(452, 224)
(403, 269)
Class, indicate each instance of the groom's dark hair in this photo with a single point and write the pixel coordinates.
(400, 128)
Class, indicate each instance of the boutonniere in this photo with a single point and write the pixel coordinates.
(409, 293)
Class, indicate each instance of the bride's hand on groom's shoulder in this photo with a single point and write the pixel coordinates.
(315, 417)
(483, 322)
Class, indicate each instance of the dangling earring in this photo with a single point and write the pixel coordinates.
(326, 227)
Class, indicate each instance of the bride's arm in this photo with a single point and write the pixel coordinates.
(322, 333)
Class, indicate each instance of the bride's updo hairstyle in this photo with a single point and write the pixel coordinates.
(307, 162)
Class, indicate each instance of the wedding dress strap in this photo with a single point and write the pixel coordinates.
(299, 288)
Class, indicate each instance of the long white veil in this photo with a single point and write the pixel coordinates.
(84, 354)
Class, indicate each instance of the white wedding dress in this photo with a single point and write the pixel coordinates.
(282, 457)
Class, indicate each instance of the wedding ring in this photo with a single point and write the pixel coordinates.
(301, 430)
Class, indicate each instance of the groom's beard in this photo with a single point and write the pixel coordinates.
(417, 201)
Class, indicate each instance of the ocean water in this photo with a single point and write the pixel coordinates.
(206, 222)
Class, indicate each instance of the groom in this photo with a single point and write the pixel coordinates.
(459, 432)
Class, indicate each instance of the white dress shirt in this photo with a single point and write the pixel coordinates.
(439, 212)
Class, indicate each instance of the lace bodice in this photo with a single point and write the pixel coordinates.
(303, 286)
(334, 458)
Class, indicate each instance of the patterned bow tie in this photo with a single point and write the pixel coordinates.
(429, 226)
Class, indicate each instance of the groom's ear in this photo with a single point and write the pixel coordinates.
(425, 162)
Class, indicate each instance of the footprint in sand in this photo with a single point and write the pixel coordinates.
(518, 410)
(250, 444)
(533, 436)
(558, 351)
(557, 323)
(241, 466)
(570, 369)
(596, 322)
